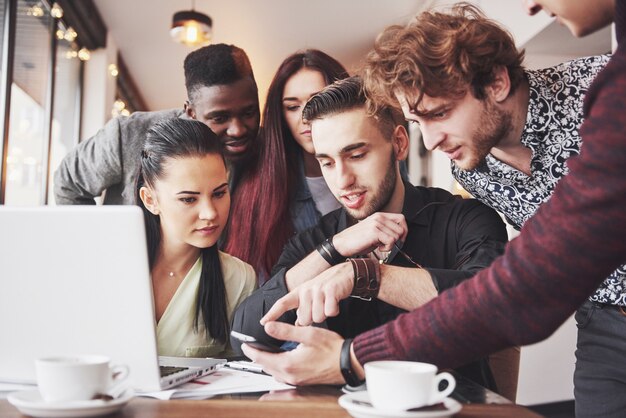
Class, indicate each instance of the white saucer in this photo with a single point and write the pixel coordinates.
(357, 405)
(30, 402)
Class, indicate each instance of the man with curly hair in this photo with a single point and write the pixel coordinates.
(508, 131)
(565, 250)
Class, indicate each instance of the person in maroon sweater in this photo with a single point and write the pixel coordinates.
(509, 133)
(561, 256)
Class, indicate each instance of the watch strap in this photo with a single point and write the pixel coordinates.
(345, 365)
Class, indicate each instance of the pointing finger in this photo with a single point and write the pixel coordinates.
(284, 304)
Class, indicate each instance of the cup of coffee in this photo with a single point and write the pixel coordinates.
(402, 385)
(76, 378)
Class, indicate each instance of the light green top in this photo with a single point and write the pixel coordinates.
(176, 335)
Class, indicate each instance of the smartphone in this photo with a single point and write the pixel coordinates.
(246, 366)
(253, 342)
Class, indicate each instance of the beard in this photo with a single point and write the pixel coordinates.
(493, 126)
(384, 192)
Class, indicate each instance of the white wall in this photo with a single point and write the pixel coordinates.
(547, 368)
(440, 174)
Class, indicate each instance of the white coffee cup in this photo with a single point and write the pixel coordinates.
(76, 378)
(402, 385)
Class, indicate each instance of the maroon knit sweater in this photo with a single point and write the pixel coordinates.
(563, 253)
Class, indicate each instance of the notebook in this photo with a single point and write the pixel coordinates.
(75, 280)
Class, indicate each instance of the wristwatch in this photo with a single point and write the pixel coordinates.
(345, 365)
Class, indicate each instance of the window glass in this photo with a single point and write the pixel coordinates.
(27, 122)
(3, 8)
(66, 107)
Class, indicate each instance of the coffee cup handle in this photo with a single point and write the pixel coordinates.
(119, 373)
(439, 396)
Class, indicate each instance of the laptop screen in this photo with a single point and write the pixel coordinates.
(75, 280)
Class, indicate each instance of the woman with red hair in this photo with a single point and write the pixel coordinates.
(285, 193)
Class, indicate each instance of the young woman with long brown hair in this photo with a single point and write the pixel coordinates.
(285, 193)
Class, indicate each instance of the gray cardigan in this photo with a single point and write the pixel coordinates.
(109, 161)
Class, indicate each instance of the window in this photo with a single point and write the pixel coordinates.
(65, 115)
(41, 87)
(3, 8)
(28, 122)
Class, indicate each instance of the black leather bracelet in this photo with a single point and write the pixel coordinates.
(329, 253)
(346, 365)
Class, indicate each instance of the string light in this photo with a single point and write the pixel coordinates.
(56, 11)
(84, 54)
(119, 105)
(70, 34)
(113, 70)
(35, 11)
(119, 108)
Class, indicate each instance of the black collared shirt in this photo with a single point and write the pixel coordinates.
(449, 236)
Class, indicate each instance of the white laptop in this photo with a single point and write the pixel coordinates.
(75, 280)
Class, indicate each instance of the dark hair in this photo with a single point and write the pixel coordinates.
(345, 95)
(267, 190)
(178, 138)
(215, 65)
(440, 54)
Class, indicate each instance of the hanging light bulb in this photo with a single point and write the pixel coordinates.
(191, 28)
(60, 34)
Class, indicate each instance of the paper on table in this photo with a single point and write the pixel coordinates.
(221, 382)
(6, 388)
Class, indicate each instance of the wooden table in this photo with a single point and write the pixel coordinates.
(310, 402)
(231, 408)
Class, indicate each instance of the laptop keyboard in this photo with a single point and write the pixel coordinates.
(169, 370)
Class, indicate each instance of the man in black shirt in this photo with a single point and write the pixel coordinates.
(375, 246)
